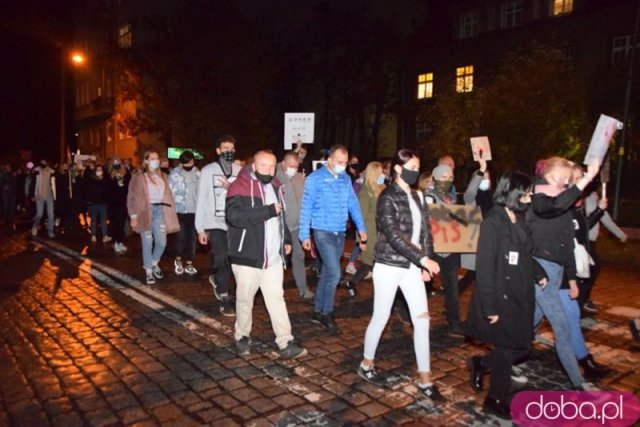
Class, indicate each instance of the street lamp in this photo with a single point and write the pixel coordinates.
(77, 59)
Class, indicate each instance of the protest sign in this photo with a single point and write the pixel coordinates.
(599, 145)
(480, 148)
(455, 228)
(298, 128)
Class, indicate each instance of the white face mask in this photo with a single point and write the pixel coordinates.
(485, 184)
(99, 174)
(292, 172)
(154, 164)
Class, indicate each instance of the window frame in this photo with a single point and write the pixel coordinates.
(425, 85)
(464, 78)
(511, 18)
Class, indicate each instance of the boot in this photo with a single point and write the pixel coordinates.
(591, 370)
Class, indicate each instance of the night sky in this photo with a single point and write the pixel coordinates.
(31, 33)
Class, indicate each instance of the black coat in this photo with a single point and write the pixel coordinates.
(395, 227)
(504, 284)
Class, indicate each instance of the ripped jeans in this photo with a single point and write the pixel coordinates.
(154, 240)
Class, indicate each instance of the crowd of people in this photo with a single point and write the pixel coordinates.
(259, 216)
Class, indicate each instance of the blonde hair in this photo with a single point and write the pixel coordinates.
(424, 181)
(544, 167)
(370, 176)
(144, 167)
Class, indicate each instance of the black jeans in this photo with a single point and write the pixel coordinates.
(117, 216)
(499, 363)
(586, 285)
(449, 267)
(221, 265)
(361, 273)
(185, 246)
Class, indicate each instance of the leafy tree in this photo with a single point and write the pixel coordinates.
(534, 106)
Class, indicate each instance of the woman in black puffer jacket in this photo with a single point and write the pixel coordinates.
(402, 256)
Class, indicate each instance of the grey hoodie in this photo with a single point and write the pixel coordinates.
(293, 189)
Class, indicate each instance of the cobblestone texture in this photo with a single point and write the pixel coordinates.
(77, 349)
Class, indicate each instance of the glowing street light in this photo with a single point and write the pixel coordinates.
(78, 58)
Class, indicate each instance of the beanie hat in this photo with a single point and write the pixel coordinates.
(440, 170)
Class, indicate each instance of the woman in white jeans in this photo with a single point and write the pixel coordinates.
(402, 259)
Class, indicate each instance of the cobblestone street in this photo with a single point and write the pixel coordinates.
(84, 342)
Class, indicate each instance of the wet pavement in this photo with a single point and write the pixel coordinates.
(84, 342)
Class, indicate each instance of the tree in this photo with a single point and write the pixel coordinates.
(535, 106)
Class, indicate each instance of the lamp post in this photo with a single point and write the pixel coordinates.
(77, 59)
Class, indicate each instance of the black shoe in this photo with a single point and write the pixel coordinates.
(157, 272)
(351, 287)
(293, 351)
(432, 392)
(590, 307)
(243, 346)
(329, 324)
(591, 370)
(496, 407)
(455, 330)
(226, 307)
(476, 370)
(633, 327)
(371, 375)
(316, 317)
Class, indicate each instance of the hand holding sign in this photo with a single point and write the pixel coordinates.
(480, 148)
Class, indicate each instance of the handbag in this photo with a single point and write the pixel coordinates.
(583, 260)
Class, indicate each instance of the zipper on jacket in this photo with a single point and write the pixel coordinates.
(244, 232)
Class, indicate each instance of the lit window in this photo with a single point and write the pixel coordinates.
(124, 36)
(562, 7)
(464, 79)
(468, 25)
(511, 14)
(425, 86)
(621, 48)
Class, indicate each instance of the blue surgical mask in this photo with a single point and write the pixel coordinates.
(154, 164)
(380, 180)
(339, 169)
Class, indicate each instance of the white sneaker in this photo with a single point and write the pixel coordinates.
(116, 247)
(57, 222)
(34, 232)
(587, 387)
(123, 248)
(351, 269)
(369, 276)
(94, 239)
(106, 239)
(518, 376)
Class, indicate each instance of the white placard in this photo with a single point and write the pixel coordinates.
(480, 148)
(298, 127)
(599, 145)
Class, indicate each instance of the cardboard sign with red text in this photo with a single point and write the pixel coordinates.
(455, 228)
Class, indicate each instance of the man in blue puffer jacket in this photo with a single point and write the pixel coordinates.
(327, 201)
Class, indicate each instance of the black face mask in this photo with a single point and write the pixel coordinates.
(187, 168)
(228, 156)
(265, 179)
(409, 176)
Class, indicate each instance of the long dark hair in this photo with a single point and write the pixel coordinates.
(401, 158)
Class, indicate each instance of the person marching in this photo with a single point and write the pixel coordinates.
(152, 213)
(503, 301)
(403, 259)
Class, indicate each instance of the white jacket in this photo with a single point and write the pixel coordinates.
(212, 195)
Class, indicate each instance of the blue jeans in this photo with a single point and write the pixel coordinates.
(155, 240)
(330, 246)
(97, 213)
(572, 311)
(40, 212)
(548, 304)
(354, 253)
